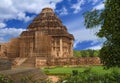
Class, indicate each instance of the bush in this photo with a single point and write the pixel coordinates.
(90, 77)
(4, 79)
(74, 72)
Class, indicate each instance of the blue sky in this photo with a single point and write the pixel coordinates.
(16, 15)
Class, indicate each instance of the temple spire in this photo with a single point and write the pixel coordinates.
(47, 19)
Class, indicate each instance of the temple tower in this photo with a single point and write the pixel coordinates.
(48, 23)
(45, 37)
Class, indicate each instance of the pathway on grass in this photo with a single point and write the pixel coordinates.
(53, 78)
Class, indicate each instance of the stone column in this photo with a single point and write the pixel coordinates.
(55, 50)
(31, 49)
(61, 48)
(71, 54)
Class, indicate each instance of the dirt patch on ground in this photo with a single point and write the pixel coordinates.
(53, 78)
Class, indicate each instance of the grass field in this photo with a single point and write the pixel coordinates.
(68, 70)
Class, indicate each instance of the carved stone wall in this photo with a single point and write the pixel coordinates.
(68, 61)
(13, 48)
(41, 61)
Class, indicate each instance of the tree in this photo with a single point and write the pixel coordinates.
(91, 52)
(84, 53)
(77, 53)
(96, 53)
(109, 19)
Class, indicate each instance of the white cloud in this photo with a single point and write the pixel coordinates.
(97, 47)
(81, 34)
(84, 35)
(99, 6)
(16, 9)
(11, 32)
(22, 16)
(2, 25)
(77, 6)
(63, 11)
(77, 28)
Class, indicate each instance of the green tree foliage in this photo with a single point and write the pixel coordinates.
(109, 19)
(77, 53)
(91, 53)
(96, 53)
(86, 53)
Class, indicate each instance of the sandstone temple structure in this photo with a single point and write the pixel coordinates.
(45, 42)
(45, 37)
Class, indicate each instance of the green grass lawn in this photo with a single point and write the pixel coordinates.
(68, 70)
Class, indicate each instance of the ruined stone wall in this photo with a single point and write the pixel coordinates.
(13, 48)
(3, 49)
(26, 46)
(67, 61)
(41, 61)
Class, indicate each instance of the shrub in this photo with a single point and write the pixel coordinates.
(4, 79)
(74, 72)
(90, 77)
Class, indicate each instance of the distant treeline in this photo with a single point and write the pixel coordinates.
(86, 53)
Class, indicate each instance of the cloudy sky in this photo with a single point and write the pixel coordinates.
(16, 15)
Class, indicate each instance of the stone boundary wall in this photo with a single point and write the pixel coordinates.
(67, 61)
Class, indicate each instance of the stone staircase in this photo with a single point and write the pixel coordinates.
(18, 61)
(24, 62)
(29, 62)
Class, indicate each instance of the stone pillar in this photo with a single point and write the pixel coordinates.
(31, 49)
(71, 52)
(55, 50)
(61, 48)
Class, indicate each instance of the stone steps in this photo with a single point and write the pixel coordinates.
(18, 61)
(29, 62)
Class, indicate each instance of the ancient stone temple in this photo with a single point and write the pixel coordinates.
(46, 42)
(46, 36)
